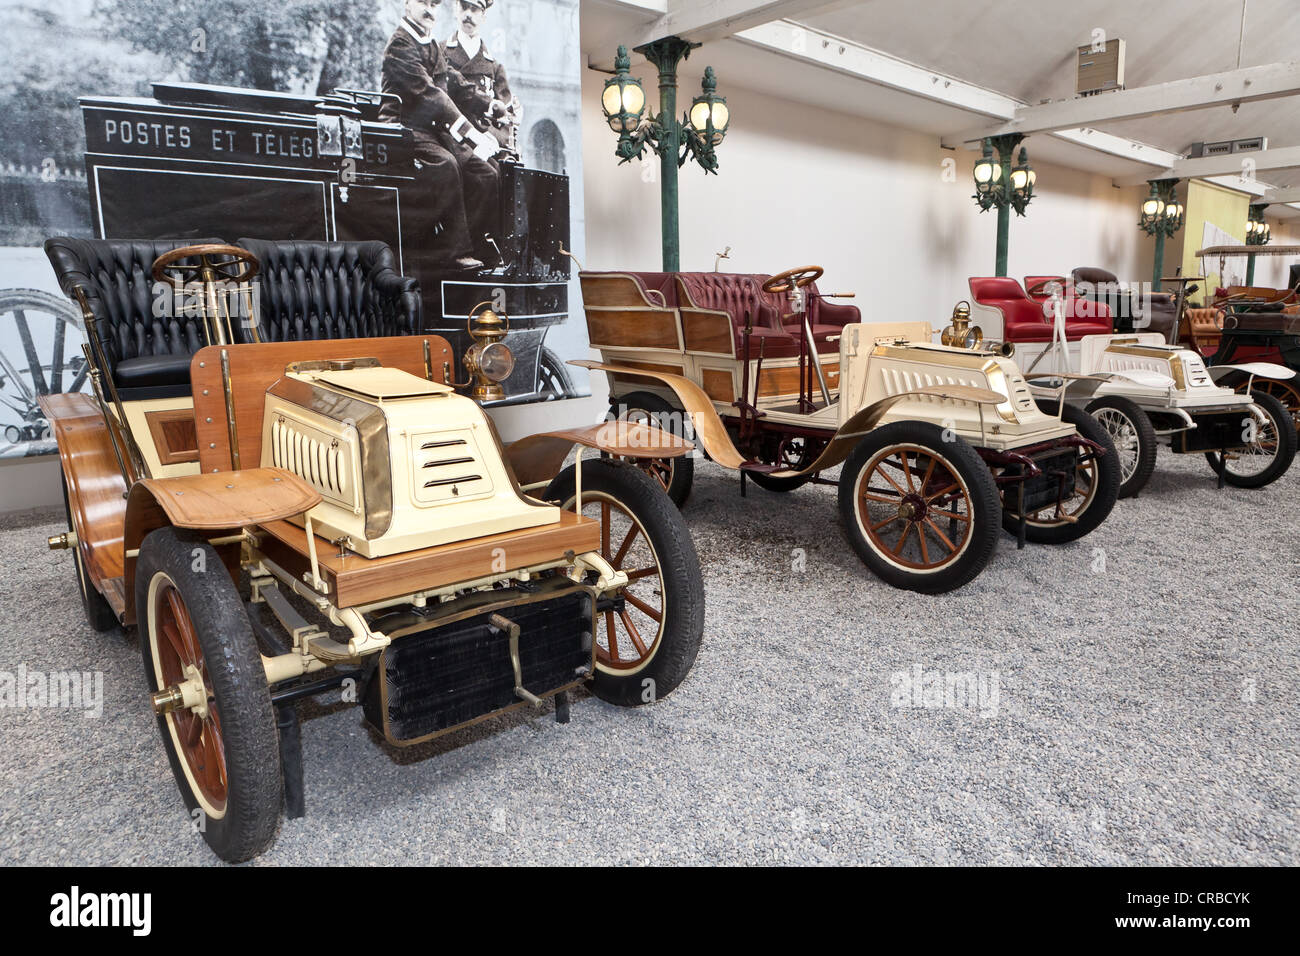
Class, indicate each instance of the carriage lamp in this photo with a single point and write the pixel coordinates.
(961, 334)
(1162, 216)
(696, 135)
(489, 360)
(999, 185)
(1258, 232)
(709, 116)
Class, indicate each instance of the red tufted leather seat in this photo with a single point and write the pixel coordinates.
(738, 295)
(1024, 319)
(827, 318)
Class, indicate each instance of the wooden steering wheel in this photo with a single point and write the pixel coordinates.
(793, 279)
(213, 263)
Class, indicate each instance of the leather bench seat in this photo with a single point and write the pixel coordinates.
(153, 371)
(1024, 318)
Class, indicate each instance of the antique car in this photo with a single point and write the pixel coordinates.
(941, 446)
(237, 162)
(1250, 324)
(1142, 389)
(278, 519)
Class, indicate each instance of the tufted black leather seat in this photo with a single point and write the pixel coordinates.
(143, 350)
(332, 290)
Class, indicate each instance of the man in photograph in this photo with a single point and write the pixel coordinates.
(468, 54)
(452, 152)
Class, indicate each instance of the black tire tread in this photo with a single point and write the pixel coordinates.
(248, 726)
(1288, 436)
(678, 563)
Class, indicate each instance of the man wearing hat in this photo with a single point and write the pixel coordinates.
(452, 152)
(469, 55)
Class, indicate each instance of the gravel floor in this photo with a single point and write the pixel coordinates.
(1139, 706)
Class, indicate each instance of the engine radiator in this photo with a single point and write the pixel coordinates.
(436, 681)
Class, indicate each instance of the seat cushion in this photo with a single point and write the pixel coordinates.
(820, 335)
(152, 371)
(773, 343)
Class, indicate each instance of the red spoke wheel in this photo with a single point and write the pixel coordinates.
(222, 747)
(674, 475)
(920, 511)
(648, 634)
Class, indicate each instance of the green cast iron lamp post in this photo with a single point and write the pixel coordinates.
(999, 184)
(1257, 234)
(696, 136)
(1162, 216)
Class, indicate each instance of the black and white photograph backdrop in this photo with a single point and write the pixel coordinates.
(305, 119)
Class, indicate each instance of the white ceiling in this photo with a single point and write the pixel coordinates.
(1025, 51)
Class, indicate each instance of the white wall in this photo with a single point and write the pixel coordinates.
(870, 203)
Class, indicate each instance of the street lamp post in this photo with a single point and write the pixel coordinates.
(1162, 216)
(1257, 234)
(695, 136)
(998, 183)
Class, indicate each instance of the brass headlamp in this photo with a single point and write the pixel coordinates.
(961, 334)
(489, 360)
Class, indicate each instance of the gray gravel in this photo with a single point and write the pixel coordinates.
(1146, 714)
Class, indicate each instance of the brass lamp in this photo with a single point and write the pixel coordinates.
(961, 334)
(489, 360)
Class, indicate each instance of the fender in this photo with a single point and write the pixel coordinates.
(1254, 369)
(538, 458)
(226, 501)
(862, 422)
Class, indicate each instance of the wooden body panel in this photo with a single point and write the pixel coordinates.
(633, 328)
(96, 488)
(783, 381)
(255, 368)
(706, 331)
(173, 435)
(354, 580)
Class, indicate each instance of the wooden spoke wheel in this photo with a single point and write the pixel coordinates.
(674, 475)
(195, 732)
(648, 634)
(209, 690)
(1268, 450)
(920, 511)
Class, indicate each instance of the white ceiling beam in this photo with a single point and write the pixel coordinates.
(1244, 165)
(807, 45)
(1118, 146)
(655, 8)
(1198, 92)
(1282, 195)
(703, 20)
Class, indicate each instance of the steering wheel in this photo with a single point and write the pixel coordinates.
(1043, 287)
(215, 262)
(793, 279)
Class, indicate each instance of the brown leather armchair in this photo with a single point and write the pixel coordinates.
(1105, 288)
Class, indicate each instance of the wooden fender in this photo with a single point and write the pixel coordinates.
(225, 502)
(538, 458)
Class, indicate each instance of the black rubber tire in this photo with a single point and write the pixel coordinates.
(682, 629)
(1147, 445)
(968, 466)
(238, 688)
(1287, 438)
(1103, 502)
(99, 615)
(681, 470)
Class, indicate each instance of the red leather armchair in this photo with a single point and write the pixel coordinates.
(1024, 318)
